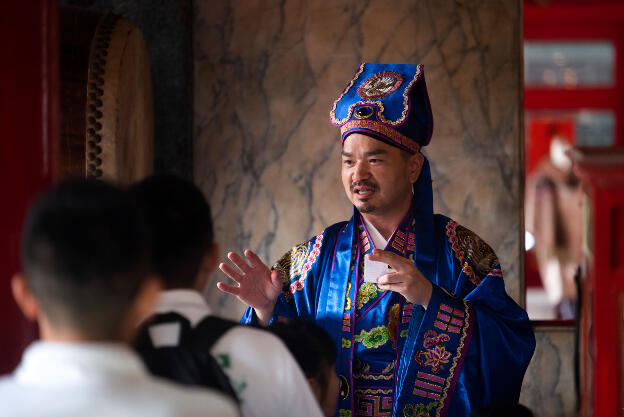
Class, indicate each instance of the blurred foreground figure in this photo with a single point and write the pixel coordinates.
(414, 302)
(182, 339)
(86, 282)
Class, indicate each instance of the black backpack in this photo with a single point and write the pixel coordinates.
(190, 362)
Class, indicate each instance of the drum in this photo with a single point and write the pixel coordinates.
(106, 98)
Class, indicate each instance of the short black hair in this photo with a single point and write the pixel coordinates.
(85, 255)
(181, 223)
(312, 347)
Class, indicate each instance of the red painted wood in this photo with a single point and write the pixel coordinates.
(574, 12)
(28, 137)
(602, 173)
(571, 99)
(571, 21)
(601, 321)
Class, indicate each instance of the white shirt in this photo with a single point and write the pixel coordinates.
(265, 376)
(98, 380)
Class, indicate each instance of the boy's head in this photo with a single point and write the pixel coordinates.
(315, 352)
(85, 263)
(179, 218)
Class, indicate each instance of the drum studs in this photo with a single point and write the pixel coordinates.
(95, 92)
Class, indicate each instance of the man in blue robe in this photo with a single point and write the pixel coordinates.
(415, 302)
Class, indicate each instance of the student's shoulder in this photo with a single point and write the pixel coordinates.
(253, 337)
(8, 387)
(189, 401)
(255, 345)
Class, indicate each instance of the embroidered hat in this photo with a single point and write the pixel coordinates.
(387, 102)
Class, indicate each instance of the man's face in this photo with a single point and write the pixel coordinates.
(376, 176)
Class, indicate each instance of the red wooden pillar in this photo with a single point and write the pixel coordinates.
(29, 80)
(602, 306)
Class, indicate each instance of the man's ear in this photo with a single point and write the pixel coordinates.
(24, 298)
(207, 266)
(415, 165)
(141, 309)
(146, 297)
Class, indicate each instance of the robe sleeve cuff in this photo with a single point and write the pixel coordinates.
(447, 312)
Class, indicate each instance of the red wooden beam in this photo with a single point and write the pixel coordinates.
(29, 80)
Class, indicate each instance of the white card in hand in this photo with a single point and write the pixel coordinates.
(375, 269)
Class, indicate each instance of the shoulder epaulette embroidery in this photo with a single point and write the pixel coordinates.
(475, 256)
(296, 263)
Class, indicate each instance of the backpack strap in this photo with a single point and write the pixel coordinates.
(189, 361)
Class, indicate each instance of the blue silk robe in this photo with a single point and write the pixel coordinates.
(469, 347)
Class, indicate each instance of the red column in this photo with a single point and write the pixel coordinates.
(602, 307)
(28, 140)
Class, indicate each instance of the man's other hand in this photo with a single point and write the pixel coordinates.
(407, 280)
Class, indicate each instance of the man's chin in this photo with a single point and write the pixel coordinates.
(365, 207)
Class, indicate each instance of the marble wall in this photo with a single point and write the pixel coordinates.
(267, 71)
(548, 387)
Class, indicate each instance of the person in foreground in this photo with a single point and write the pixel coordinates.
(86, 282)
(180, 338)
(415, 303)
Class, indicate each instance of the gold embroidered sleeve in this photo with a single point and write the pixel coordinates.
(475, 256)
(296, 263)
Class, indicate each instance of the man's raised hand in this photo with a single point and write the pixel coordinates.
(258, 286)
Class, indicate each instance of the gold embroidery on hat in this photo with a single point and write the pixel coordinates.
(333, 109)
(380, 85)
(380, 107)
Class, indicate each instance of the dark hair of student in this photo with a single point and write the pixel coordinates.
(85, 255)
(313, 348)
(181, 224)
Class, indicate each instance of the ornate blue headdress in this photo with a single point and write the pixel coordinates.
(387, 102)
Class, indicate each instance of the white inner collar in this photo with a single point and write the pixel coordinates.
(375, 235)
